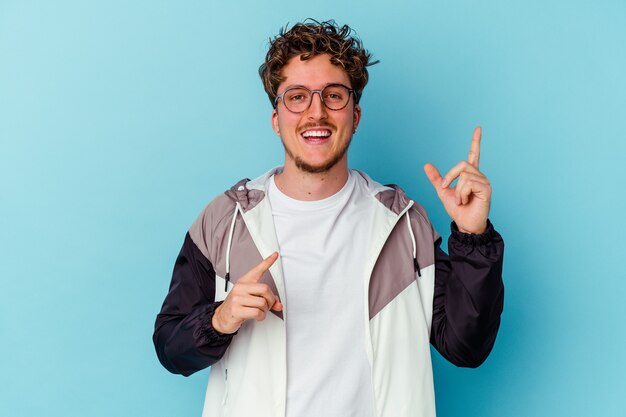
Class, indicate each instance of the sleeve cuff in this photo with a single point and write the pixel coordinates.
(208, 333)
(473, 239)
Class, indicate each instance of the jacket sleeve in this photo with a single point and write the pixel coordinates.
(184, 337)
(468, 297)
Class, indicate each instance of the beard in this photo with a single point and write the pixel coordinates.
(304, 166)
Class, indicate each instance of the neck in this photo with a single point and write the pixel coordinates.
(307, 186)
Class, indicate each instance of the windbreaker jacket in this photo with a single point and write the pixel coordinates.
(416, 295)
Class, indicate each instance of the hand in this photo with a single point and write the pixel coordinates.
(248, 299)
(468, 202)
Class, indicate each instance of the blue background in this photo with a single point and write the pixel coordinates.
(120, 120)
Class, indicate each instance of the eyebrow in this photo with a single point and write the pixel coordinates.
(295, 86)
(327, 84)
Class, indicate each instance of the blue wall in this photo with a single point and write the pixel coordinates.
(120, 120)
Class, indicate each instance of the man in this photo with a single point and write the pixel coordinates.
(338, 324)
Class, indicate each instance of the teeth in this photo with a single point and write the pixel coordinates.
(316, 133)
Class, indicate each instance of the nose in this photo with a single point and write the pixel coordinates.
(317, 109)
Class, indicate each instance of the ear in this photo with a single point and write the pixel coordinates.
(356, 117)
(275, 122)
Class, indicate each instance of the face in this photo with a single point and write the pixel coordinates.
(316, 140)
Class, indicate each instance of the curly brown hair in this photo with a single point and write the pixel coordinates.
(308, 39)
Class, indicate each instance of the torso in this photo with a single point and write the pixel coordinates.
(323, 247)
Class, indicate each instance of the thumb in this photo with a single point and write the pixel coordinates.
(433, 175)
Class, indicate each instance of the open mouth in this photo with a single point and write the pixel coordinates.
(316, 135)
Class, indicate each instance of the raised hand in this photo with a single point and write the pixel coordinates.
(468, 202)
(249, 299)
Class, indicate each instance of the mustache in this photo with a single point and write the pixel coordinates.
(318, 124)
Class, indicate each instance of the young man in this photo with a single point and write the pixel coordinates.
(338, 324)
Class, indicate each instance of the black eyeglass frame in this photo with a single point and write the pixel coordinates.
(282, 95)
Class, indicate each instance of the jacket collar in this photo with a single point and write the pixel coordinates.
(250, 192)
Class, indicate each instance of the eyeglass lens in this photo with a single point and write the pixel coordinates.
(298, 99)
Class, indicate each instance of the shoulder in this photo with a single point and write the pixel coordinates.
(391, 196)
(214, 219)
(394, 198)
(247, 193)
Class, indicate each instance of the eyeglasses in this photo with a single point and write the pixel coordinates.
(298, 99)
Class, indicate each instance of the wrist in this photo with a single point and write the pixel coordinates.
(207, 333)
(473, 232)
(215, 322)
(218, 324)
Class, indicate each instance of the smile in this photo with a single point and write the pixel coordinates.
(316, 133)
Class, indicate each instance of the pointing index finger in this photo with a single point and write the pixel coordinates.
(254, 275)
(265, 264)
(474, 154)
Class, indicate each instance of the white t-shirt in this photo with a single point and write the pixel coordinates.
(322, 246)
